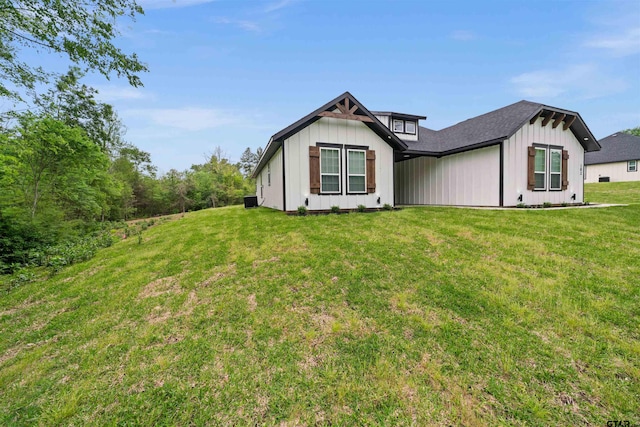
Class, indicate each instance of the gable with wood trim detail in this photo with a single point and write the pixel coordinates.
(344, 155)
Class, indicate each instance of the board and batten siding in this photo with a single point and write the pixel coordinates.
(516, 166)
(616, 171)
(272, 195)
(335, 131)
(471, 178)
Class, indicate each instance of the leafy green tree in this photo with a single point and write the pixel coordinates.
(55, 165)
(633, 131)
(248, 161)
(82, 30)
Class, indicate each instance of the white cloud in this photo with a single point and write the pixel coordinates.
(463, 35)
(622, 44)
(277, 5)
(114, 93)
(188, 118)
(240, 23)
(164, 4)
(583, 81)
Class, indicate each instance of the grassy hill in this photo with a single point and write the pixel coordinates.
(424, 316)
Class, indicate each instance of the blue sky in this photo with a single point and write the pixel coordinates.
(233, 73)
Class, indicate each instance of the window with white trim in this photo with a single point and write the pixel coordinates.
(541, 169)
(398, 126)
(356, 171)
(632, 166)
(555, 169)
(410, 127)
(329, 170)
(269, 174)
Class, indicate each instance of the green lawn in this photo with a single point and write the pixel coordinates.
(424, 316)
(612, 192)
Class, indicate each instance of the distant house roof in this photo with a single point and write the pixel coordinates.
(493, 127)
(358, 110)
(619, 147)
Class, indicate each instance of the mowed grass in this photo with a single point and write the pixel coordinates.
(612, 192)
(424, 316)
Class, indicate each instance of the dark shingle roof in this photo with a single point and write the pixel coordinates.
(619, 147)
(490, 128)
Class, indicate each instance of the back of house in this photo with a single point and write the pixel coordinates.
(344, 155)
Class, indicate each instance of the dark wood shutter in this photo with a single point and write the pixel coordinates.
(371, 171)
(531, 169)
(314, 170)
(565, 172)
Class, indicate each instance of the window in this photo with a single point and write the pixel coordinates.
(329, 170)
(555, 169)
(398, 126)
(540, 169)
(410, 127)
(269, 174)
(632, 166)
(261, 187)
(356, 167)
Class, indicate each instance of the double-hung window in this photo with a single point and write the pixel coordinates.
(398, 126)
(541, 169)
(329, 170)
(555, 169)
(632, 166)
(356, 171)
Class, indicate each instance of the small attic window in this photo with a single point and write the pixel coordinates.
(410, 127)
(398, 126)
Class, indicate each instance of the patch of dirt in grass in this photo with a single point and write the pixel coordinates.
(227, 270)
(164, 285)
(10, 354)
(256, 263)
(253, 304)
(158, 316)
(310, 362)
(189, 305)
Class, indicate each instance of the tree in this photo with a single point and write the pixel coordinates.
(248, 161)
(83, 30)
(633, 131)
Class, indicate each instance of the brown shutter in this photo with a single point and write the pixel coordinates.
(371, 171)
(531, 169)
(314, 170)
(565, 172)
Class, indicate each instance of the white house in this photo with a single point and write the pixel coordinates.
(344, 155)
(618, 161)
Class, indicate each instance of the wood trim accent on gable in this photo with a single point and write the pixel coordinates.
(548, 118)
(345, 116)
(569, 122)
(558, 120)
(534, 118)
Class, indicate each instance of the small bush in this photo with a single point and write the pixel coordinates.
(565, 204)
(335, 209)
(546, 205)
(387, 207)
(302, 210)
(362, 208)
(521, 205)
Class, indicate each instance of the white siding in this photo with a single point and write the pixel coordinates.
(384, 120)
(516, 158)
(335, 131)
(617, 172)
(271, 195)
(471, 178)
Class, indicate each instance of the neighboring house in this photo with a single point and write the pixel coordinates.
(619, 159)
(344, 155)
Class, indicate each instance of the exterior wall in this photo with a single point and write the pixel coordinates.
(271, 195)
(471, 178)
(384, 120)
(617, 172)
(335, 131)
(516, 158)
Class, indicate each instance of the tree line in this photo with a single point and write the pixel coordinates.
(66, 167)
